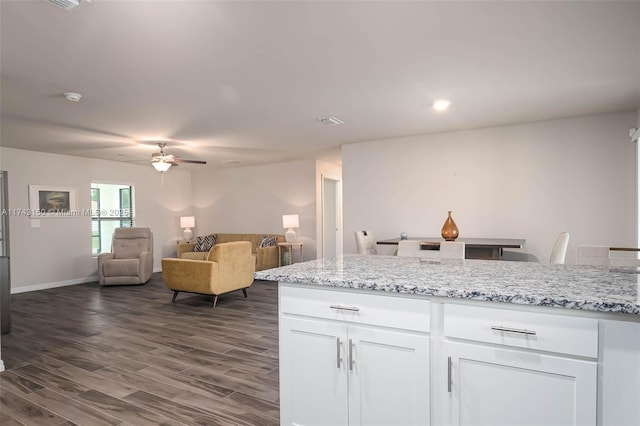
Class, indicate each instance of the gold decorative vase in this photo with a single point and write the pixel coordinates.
(449, 229)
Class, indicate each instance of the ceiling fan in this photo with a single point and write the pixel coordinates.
(163, 162)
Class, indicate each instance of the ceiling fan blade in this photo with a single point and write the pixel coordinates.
(177, 160)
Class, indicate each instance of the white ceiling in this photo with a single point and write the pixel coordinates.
(247, 81)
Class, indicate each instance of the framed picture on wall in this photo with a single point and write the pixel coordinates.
(52, 201)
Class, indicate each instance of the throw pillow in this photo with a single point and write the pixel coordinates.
(205, 243)
(267, 241)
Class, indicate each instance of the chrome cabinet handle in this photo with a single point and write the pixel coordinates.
(350, 355)
(513, 330)
(338, 359)
(345, 308)
(449, 374)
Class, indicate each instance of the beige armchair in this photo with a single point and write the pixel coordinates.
(130, 260)
(229, 267)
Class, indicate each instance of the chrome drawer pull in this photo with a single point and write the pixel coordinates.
(338, 359)
(345, 308)
(513, 330)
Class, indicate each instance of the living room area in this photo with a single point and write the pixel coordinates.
(278, 98)
(76, 350)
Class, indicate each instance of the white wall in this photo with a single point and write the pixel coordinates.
(637, 143)
(528, 181)
(59, 251)
(252, 199)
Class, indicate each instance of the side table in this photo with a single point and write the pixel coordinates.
(289, 253)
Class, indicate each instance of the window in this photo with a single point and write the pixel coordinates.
(112, 207)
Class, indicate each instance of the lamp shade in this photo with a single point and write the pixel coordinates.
(161, 166)
(187, 221)
(290, 221)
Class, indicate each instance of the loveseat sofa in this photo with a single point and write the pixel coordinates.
(266, 257)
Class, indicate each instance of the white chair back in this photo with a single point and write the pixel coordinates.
(593, 255)
(365, 243)
(452, 250)
(559, 251)
(607, 256)
(622, 262)
(407, 248)
(448, 250)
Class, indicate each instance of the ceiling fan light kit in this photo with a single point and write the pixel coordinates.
(163, 162)
(161, 166)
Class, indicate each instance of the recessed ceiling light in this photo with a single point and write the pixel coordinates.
(74, 97)
(441, 104)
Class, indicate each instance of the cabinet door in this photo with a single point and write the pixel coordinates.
(313, 378)
(388, 377)
(492, 386)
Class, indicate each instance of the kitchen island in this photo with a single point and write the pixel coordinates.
(389, 340)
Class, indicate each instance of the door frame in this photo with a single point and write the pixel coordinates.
(338, 212)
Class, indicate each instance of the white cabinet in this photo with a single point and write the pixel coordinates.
(369, 358)
(497, 373)
(495, 386)
(345, 371)
(313, 379)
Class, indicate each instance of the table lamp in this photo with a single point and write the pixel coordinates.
(187, 222)
(290, 221)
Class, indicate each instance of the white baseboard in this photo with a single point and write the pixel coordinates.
(44, 286)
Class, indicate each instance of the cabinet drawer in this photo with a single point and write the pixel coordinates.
(531, 330)
(356, 307)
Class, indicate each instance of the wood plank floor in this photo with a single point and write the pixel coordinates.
(125, 355)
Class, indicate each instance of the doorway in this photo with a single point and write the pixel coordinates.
(331, 218)
(5, 275)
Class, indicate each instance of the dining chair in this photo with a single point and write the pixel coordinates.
(559, 250)
(623, 261)
(593, 255)
(608, 256)
(447, 250)
(452, 250)
(365, 243)
(408, 248)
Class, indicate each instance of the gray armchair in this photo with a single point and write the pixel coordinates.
(130, 260)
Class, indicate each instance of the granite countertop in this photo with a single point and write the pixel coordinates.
(567, 286)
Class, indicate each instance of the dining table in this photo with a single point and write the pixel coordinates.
(475, 248)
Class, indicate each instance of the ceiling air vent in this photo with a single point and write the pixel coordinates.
(330, 121)
(65, 4)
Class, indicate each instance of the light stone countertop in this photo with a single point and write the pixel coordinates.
(589, 288)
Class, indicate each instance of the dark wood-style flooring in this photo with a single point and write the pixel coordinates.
(125, 355)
